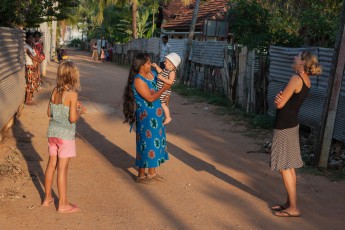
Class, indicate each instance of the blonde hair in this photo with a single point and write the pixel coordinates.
(311, 63)
(68, 77)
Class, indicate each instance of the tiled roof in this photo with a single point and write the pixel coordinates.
(178, 16)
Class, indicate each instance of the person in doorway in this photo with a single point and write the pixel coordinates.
(64, 110)
(165, 50)
(141, 105)
(95, 52)
(167, 76)
(285, 151)
(33, 81)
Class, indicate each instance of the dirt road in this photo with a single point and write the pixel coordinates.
(212, 183)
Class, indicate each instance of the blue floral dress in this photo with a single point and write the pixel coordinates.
(150, 132)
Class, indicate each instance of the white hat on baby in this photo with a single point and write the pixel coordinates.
(174, 58)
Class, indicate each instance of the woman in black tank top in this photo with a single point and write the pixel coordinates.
(285, 152)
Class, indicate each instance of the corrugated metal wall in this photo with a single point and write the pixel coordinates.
(178, 46)
(12, 73)
(153, 45)
(207, 56)
(208, 52)
(281, 59)
(118, 49)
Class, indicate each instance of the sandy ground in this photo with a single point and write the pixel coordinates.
(212, 182)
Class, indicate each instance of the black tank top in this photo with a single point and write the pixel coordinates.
(287, 117)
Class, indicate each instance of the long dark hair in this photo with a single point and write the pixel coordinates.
(128, 94)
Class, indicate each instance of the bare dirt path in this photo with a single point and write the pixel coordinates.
(212, 183)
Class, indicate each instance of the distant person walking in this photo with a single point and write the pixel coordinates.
(64, 110)
(95, 52)
(165, 50)
(285, 153)
(142, 107)
(167, 76)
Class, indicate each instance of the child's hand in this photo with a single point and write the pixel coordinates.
(83, 110)
(81, 107)
(79, 104)
(166, 86)
(154, 65)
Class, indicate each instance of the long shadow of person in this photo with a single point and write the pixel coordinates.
(201, 165)
(122, 160)
(31, 156)
(115, 155)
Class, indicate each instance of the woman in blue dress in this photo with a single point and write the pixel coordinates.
(141, 105)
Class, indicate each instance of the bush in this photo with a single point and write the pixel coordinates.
(76, 43)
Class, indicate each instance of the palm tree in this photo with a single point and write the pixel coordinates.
(134, 9)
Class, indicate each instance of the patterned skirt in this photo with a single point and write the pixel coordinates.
(33, 80)
(285, 152)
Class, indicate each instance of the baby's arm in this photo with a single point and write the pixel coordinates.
(159, 69)
(171, 79)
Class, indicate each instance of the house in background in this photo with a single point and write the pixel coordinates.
(211, 23)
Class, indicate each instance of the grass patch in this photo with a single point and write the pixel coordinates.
(333, 175)
(196, 95)
(251, 120)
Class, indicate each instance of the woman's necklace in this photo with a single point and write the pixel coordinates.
(148, 76)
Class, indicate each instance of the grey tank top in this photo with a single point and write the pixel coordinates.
(59, 125)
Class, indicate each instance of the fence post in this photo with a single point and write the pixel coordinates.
(331, 101)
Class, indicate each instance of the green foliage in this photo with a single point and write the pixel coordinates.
(319, 25)
(75, 43)
(291, 23)
(113, 19)
(284, 29)
(14, 13)
(249, 22)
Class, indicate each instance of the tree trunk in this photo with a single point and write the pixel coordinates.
(134, 19)
(190, 38)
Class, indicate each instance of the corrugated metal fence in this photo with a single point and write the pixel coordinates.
(12, 73)
(240, 74)
(210, 67)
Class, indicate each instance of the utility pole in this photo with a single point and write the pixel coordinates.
(190, 39)
(331, 101)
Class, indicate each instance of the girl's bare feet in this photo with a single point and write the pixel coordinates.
(68, 208)
(48, 202)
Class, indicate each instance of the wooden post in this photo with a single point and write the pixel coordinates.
(331, 102)
(190, 39)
